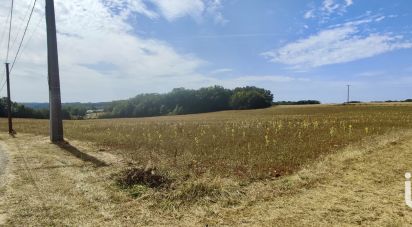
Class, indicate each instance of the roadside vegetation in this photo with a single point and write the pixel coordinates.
(248, 145)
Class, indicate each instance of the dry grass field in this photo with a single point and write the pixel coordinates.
(288, 165)
(250, 145)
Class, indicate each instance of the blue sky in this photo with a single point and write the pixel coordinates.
(115, 49)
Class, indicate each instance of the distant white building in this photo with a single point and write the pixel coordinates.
(94, 113)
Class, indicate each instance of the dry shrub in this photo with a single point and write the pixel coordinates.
(146, 177)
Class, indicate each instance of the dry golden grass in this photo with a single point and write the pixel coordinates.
(253, 144)
(215, 160)
(360, 185)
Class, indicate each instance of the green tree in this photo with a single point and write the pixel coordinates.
(251, 98)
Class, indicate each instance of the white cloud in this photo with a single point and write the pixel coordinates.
(327, 8)
(349, 2)
(220, 71)
(380, 18)
(174, 9)
(126, 7)
(214, 8)
(90, 34)
(268, 78)
(330, 6)
(309, 14)
(371, 74)
(337, 45)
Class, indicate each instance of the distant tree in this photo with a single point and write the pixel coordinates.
(251, 98)
(301, 102)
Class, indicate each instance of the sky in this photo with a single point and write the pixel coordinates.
(116, 49)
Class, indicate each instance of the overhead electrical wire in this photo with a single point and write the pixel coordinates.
(22, 39)
(24, 35)
(9, 36)
(3, 34)
(31, 35)
(1, 44)
(26, 14)
(11, 22)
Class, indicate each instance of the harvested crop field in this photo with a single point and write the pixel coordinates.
(247, 145)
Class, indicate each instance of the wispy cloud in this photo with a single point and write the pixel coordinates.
(174, 9)
(341, 44)
(268, 78)
(126, 7)
(349, 2)
(371, 74)
(214, 9)
(309, 14)
(220, 71)
(327, 8)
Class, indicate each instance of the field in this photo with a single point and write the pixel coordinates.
(324, 165)
(246, 145)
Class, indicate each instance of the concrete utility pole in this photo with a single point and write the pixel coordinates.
(56, 123)
(348, 100)
(9, 99)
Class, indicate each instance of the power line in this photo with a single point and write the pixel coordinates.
(24, 35)
(2, 86)
(3, 34)
(3, 77)
(23, 48)
(21, 24)
(33, 32)
(9, 17)
(11, 21)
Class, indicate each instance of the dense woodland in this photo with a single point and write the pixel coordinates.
(189, 101)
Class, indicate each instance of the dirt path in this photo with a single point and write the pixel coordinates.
(362, 185)
(3, 163)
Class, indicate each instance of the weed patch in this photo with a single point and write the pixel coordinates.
(137, 177)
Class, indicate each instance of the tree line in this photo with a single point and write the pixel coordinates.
(190, 101)
(178, 101)
(301, 102)
(21, 111)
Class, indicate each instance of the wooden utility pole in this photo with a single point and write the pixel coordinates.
(56, 123)
(9, 99)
